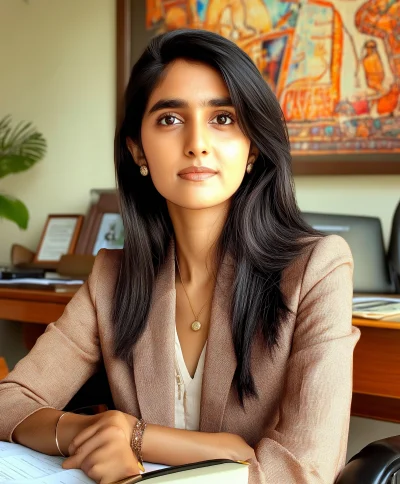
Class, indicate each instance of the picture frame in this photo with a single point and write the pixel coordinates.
(59, 237)
(133, 36)
(103, 226)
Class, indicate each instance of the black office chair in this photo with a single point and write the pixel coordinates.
(377, 463)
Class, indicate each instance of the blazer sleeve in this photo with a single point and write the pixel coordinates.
(308, 445)
(63, 358)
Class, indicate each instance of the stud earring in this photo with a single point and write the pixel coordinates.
(144, 171)
(249, 167)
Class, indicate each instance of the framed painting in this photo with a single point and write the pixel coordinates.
(334, 66)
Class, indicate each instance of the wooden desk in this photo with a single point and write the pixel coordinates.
(376, 386)
(34, 309)
(376, 389)
(3, 368)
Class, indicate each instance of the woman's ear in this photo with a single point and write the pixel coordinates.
(135, 151)
(253, 154)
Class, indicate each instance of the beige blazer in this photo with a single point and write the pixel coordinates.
(298, 426)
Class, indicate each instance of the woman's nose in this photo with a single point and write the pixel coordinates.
(197, 141)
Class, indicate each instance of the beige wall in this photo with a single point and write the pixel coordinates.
(58, 70)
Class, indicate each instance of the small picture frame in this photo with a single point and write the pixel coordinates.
(103, 228)
(60, 236)
(110, 234)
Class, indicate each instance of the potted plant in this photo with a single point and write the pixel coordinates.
(20, 149)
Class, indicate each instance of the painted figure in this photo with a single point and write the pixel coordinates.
(373, 67)
(381, 18)
(240, 18)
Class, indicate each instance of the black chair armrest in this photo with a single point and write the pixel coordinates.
(374, 464)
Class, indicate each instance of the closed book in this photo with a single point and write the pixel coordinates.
(218, 471)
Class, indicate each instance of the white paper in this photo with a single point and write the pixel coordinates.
(149, 467)
(21, 465)
(42, 282)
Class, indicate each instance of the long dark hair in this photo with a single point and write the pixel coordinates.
(264, 231)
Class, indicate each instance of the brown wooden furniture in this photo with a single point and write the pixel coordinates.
(34, 308)
(376, 386)
(376, 390)
(3, 368)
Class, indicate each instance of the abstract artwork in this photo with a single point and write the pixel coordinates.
(334, 65)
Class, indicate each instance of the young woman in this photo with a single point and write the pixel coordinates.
(224, 324)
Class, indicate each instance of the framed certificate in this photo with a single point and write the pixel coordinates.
(59, 237)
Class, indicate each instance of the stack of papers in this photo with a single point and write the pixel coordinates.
(378, 308)
(40, 282)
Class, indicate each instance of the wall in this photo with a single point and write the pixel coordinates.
(58, 65)
(58, 70)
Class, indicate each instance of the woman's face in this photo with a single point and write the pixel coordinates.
(190, 125)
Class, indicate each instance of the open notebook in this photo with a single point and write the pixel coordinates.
(21, 465)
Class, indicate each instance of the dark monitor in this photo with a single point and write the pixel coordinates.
(364, 236)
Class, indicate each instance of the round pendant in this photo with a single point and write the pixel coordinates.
(196, 325)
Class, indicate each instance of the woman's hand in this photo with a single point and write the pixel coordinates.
(102, 450)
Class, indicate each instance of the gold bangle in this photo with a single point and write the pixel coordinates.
(58, 447)
(137, 440)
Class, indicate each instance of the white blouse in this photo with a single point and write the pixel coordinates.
(187, 390)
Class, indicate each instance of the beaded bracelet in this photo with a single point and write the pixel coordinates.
(137, 441)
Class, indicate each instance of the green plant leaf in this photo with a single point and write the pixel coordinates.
(14, 210)
(20, 148)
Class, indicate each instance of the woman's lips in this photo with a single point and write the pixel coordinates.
(197, 176)
(197, 173)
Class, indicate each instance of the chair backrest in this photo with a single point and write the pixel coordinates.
(365, 238)
(394, 248)
(377, 463)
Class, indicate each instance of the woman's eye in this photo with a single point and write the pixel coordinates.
(223, 119)
(168, 120)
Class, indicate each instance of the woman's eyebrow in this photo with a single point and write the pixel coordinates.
(181, 103)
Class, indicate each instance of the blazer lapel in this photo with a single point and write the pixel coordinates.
(220, 360)
(153, 355)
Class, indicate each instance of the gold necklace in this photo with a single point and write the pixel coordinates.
(196, 325)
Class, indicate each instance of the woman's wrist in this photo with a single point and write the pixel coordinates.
(172, 446)
(147, 441)
(70, 426)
